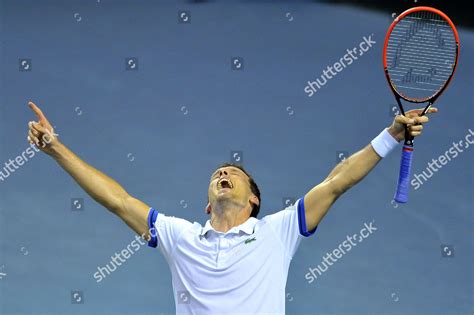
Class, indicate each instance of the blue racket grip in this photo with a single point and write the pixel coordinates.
(401, 196)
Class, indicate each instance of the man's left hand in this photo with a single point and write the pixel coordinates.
(413, 120)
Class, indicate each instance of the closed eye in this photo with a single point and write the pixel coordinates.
(231, 171)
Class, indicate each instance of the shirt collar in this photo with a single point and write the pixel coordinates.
(246, 227)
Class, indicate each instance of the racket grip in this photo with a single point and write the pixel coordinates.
(401, 196)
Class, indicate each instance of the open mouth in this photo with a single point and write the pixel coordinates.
(225, 183)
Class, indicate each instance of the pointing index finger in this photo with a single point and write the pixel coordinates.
(42, 119)
(37, 111)
(418, 111)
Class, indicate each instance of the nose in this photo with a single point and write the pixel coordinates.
(222, 173)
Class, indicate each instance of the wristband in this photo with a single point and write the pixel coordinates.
(384, 143)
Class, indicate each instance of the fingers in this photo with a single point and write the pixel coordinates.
(38, 134)
(405, 120)
(34, 135)
(36, 110)
(415, 128)
(413, 121)
(418, 111)
(421, 120)
(34, 131)
(412, 116)
(37, 127)
(41, 117)
(32, 138)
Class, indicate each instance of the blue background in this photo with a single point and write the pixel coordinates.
(161, 130)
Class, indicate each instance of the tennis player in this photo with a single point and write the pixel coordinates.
(235, 263)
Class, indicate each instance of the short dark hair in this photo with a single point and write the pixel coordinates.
(253, 187)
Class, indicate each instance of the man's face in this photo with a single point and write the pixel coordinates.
(229, 183)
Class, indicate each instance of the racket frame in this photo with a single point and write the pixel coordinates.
(402, 197)
(385, 45)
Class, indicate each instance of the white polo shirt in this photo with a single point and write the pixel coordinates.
(243, 271)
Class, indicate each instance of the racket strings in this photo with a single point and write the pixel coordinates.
(421, 54)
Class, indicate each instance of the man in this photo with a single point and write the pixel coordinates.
(236, 263)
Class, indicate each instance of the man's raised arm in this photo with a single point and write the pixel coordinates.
(99, 186)
(353, 169)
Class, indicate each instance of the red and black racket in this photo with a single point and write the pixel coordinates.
(420, 55)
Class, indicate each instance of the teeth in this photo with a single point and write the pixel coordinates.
(219, 184)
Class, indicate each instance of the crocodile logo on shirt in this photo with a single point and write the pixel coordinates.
(250, 240)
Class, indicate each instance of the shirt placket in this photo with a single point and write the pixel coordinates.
(222, 248)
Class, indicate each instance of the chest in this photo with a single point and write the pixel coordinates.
(227, 253)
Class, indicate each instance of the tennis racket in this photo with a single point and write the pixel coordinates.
(420, 55)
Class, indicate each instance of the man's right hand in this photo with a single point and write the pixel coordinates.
(99, 186)
(41, 133)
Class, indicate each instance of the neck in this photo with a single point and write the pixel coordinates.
(225, 215)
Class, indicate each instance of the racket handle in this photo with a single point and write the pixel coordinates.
(401, 196)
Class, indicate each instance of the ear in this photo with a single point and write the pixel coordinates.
(254, 200)
(208, 208)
